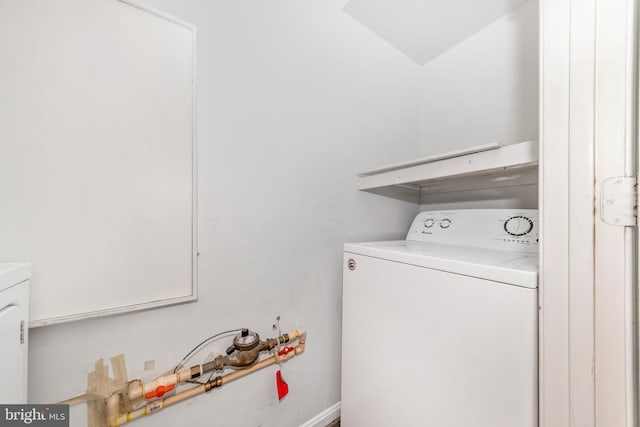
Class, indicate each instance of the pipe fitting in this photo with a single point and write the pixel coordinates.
(213, 383)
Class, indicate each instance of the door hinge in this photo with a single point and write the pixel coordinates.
(619, 201)
(22, 332)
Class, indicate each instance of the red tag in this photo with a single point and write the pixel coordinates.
(283, 387)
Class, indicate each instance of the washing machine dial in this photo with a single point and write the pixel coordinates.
(518, 225)
(428, 223)
(445, 223)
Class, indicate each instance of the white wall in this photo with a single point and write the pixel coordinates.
(516, 197)
(294, 98)
(485, 89)
(424, 29)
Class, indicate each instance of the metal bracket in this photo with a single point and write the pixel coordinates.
(618, 205)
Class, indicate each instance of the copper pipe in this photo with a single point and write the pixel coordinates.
(219, 381)
(83, 398)
(244, 360)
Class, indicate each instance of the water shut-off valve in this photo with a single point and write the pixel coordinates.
(243, 353)
(137, 399)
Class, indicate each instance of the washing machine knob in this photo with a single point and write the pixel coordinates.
(445, 223)
(518, 225)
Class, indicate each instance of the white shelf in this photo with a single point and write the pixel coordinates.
(486, 166)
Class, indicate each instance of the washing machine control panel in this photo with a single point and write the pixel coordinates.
(508, 229)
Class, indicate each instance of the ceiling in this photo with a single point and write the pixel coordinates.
(423, 29)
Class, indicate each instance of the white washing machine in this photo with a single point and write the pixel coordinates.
(440, 329)
(14, 331)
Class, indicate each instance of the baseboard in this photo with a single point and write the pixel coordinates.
(324, 417)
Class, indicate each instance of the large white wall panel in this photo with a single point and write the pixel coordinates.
(96, 155)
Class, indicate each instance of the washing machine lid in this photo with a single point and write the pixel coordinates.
(12, 273)
(509, 267)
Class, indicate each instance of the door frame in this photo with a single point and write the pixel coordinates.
(588, 127)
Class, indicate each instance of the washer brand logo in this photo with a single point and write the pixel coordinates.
(36, 415)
